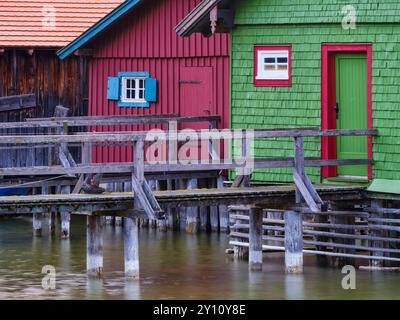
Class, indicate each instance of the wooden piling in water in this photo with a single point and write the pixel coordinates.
(223, 211)
(293, 242)
(65, 216)
(376, 205)
(192, 219)
(255, 239)
(37, 224)
(214, 213)
(131, 248)
(52, 222)
(94, 246)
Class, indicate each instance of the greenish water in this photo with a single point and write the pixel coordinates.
(173, 266)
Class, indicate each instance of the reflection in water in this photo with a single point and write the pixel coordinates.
(172, 265)
(294, 286)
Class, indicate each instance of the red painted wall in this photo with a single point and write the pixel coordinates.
(145, 40)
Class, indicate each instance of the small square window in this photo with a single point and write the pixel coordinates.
(133, 90)
(272, 65)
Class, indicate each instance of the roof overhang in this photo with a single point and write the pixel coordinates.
(208, 17)
(97, 28)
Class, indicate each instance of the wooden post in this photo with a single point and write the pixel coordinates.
(222, 210)
(214, 214)
(37, 218)
(243, 175)
(182, 211)
(52, 222)
(37, 224)
(172, 142)
(255, 239)
(192, 213)
(293, 242)
(131, 248)
(65, 216)
(375, 206)
(299, 163)
(138, 167)
(94, 246)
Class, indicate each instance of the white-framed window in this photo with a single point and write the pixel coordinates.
(273, 65)
(133, 89)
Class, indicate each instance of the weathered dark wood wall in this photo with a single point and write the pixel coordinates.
(54, 82)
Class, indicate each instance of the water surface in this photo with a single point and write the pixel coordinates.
(173, 266)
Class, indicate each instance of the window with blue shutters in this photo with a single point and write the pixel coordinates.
(132, 89)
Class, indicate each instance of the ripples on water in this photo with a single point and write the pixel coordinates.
(173, 266)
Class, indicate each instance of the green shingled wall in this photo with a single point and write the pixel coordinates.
(299, 105)
(314, 11)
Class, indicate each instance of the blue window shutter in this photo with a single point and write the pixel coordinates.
(151, 90)
(113, 88)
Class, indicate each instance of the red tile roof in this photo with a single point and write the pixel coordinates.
(48, 23)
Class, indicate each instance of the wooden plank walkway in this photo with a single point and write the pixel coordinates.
(267, 196)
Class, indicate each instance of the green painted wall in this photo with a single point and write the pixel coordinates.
(299, 105)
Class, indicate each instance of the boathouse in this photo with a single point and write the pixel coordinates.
(324, 64)
(33, 81)
(140, 66)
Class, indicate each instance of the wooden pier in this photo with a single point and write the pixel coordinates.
(66, 177)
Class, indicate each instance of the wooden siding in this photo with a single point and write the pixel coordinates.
(167, 72)
(53, 81)
(149, 31)
(145, 40)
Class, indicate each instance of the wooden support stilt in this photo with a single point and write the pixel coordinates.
(182, 212)
(37, 224)
(204, 218)
(214, 214)
(376, 205)
(52, 222)
(192, 213)
(293, 242)
(65, 216)
(255, 239)
(94, 246)
(222, 210)
(131, 248)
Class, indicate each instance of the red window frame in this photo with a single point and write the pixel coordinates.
(275, 82)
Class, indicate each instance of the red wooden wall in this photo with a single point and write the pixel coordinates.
(145, 40)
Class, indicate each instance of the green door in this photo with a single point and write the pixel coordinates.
(351, 110)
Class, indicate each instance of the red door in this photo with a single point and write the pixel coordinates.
(196, 94)
(195, 100)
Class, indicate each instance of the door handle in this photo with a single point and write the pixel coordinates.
(337, 110)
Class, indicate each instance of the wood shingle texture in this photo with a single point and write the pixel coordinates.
(48, 23)
(305, 25)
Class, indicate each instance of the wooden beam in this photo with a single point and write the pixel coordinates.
(18, 102)
(103, 121)
(302, 189)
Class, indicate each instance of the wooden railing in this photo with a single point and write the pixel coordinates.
(304, 188)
